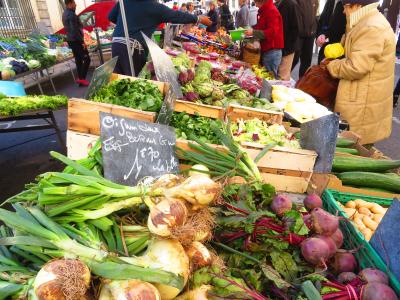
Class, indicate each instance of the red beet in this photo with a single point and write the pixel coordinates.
(190, 74)
(312, 201)
(315, 251)
(307, 220)
(346, 277)
(330, 242)
(323, 222)
(373, 275)
(344, 262)
(377, 290)
(281, 204)
(337, 236)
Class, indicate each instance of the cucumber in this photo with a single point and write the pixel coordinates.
(342, 142)
(372, 180)
(347, 150)
(371, 189)
(345, 163)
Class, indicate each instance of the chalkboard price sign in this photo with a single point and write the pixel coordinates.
(167, 108)
(133, 150)
(100, 77)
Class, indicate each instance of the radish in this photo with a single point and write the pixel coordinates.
(337, 236)
(346, 277)
(315, 251)
(377, 290)
(344, 262)
(312, 201)
(330, 242)
(370, 275)
(281, 204)
(323, 222)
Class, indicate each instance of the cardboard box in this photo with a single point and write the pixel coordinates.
(79, 144)
(83, 115)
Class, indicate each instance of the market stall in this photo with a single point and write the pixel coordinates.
(219, 200)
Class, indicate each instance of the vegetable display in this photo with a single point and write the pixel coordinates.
(139, 94)
(365, 215)
(15, 106)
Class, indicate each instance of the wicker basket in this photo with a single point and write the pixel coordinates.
(251, 55)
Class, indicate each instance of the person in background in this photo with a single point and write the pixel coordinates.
(213, 16)
(183, 7)
(242, 17)
(225, 15)
(331, 26)
(75, 40)
(190, 8)
(288, 10)
(307, 29)
(366, 73)
(142, 16)
(253, 12)
(269, 30)
(175, 6)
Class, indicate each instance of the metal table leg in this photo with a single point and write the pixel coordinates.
(51, 81)
(57, 129)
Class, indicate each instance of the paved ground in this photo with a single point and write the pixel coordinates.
(24, 155)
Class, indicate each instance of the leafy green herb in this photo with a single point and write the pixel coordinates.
(15, 106)
(139, 94)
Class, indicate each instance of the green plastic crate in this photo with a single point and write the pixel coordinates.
(236, 35)
(353, 239)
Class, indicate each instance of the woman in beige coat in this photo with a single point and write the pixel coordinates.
(366, 74)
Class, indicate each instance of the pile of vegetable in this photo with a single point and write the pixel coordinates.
(368, 173)
(139, 94)
(298, 104)
(195, 127)
(15, 106)
(262, 72)
(258, 131)
(210, 86)
(366, 216)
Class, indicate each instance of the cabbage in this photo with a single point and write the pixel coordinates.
(33, 64)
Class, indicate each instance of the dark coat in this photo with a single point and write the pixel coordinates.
(73, 26)
(288, 10)
(332, 22)
(213, 15)
(307, 12)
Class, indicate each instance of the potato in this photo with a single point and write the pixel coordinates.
(358, 220)
(361, 203)
(351, 204)
(377, 209)
(365, 211)
(367, 233)
(350, 212)
(371, 224)
(377, 217)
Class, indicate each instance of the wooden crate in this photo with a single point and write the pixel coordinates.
(214, 112)
(83, 115)
(79, 144)
(372, 152)
(235, 112)
(289, 170)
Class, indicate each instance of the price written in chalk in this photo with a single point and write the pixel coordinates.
(134, 149)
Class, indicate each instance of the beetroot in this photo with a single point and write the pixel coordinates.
(315, 251)
(312, 201)
(344, 262)
(190, 74)
(191, 96)
(373, 275)
(281, 204)
(307, 220)
(337, 236)
(377, 290)
(183, 77)
(346, 277)
(323, 222)
(330, 242)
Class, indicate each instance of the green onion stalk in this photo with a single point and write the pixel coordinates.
(232, 162)
(42, 238)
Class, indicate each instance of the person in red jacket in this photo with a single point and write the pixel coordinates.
(269, 30)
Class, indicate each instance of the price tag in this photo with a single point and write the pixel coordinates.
(167, 108)
(101, 76)
(133, 150)
(163, 66)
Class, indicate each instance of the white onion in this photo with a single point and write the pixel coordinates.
(200, 293)
(129, 289)
(199, 256)
(199, 169)
(62, 279)
(166, 215)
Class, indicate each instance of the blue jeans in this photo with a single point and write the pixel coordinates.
(271, 60)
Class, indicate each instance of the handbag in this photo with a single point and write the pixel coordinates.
(319, 83)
